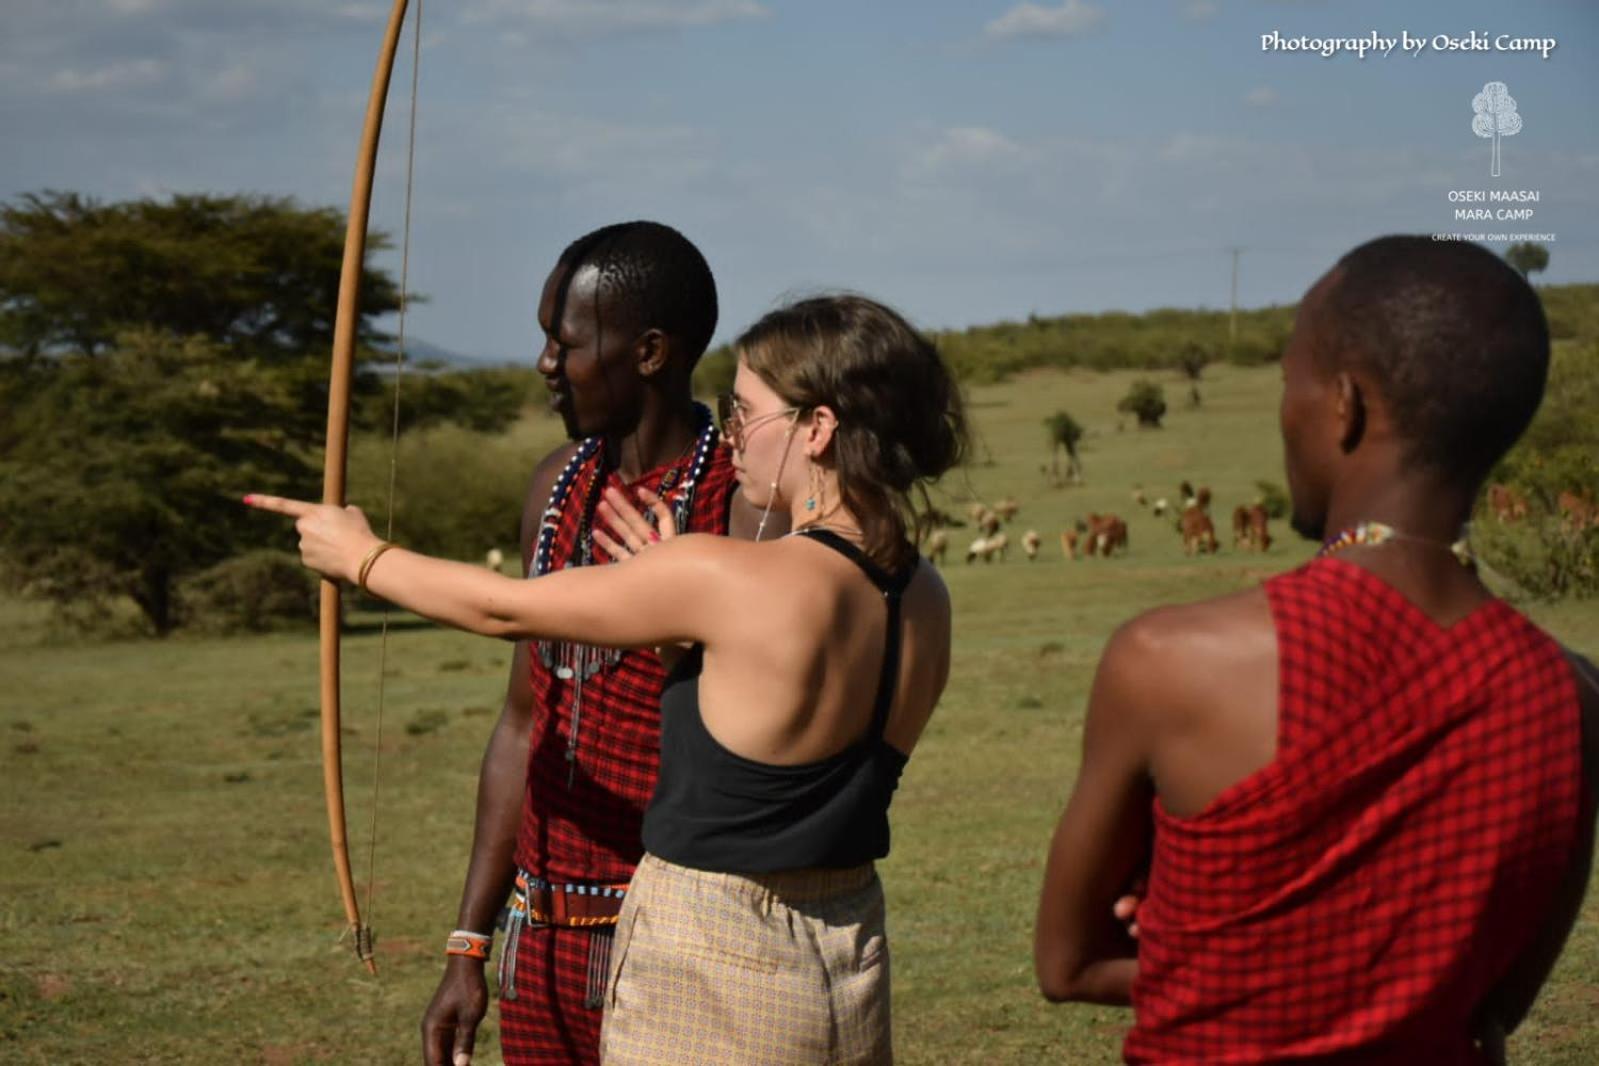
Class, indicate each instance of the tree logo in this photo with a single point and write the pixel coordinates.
(1495, 117)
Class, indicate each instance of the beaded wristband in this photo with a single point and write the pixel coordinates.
(471, 945)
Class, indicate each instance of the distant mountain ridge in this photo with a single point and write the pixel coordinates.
(423, 352)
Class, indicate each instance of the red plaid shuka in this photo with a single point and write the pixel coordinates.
(1357, 898)
(589, 831)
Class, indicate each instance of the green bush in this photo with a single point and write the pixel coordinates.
(1558, 453)
(714, 374)
(1542, 558)
(1145, 399)
(1274, 498)
(458, 493)
(250, 593)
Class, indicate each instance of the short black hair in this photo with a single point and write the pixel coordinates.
(654, 276)
(1454, 337)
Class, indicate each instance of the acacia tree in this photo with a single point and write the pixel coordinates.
(121, 473)
(256, 274)
(1528, 257)
(157, 358)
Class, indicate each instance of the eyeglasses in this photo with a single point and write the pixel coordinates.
(735, 428)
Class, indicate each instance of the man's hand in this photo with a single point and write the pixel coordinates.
(1126, 911)
(449, 1028)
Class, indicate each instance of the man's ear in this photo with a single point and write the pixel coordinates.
(1351, 411)
(652, 351)
(820, 431)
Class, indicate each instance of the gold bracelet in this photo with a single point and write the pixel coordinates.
(372, 556)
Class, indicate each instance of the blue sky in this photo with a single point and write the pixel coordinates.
(965, 161)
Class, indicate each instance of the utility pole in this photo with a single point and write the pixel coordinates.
(1232, 319)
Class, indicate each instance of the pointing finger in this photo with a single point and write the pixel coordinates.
(280, 505)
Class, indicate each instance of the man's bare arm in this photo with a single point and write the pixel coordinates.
(503, 776)
(1512, 998)
(1080, 952)
(461, 1001)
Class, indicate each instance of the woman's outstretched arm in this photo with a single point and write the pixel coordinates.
(672, 592)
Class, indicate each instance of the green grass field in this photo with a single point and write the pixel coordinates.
(166, 894)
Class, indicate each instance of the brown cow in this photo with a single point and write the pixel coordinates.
(1240, 526)
(1106, 533)
(1577, 511)
(1007, 508)
(1506, 504)
(1030, 542)
(1259, 535)
(1068, 543)
(1199, 535)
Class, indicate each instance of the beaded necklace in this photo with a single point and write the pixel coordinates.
(579, 663)
(1372, 534)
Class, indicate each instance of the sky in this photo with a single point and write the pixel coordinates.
(966, 162)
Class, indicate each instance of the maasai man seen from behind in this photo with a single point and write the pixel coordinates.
(626, 314)
(1364, 792)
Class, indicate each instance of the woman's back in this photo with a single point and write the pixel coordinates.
(716, 808)
(792, 678)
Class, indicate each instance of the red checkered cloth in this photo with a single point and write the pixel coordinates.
(1357, 898)
(589, 831)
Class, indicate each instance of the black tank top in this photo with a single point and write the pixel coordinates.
(718, 811)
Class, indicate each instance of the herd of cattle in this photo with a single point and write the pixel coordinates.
(1101, 534)
(1106, 534)
(1577, 510)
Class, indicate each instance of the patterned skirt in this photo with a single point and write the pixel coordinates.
(779, 969)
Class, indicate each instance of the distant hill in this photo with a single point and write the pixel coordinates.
(423, 353)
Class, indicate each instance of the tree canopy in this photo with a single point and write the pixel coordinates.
(120, 473)
(256, 274)
(1529, 257)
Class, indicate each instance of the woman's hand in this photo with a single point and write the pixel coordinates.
(630, 531)
(333, 540)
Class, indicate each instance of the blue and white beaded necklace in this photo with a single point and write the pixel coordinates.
(579, 663)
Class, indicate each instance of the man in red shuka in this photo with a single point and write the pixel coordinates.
(626, 314)
(1365, 790)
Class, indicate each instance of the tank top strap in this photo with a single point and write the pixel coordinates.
(892, 586)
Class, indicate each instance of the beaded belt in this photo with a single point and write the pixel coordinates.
(580, 906)
(574, 905)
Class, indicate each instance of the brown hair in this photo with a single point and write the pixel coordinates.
(901, 422)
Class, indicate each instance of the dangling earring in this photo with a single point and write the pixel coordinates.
(817, 487)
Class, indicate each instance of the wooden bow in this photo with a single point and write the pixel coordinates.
(333, 473)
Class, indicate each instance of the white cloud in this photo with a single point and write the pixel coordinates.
(233, 82)
(362, 12)
(135, 7)
(1261, 96)
(1199, 10)
(126, 75)
(614, 16)
(963, 145)
(1036, 20)
(573, 147)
